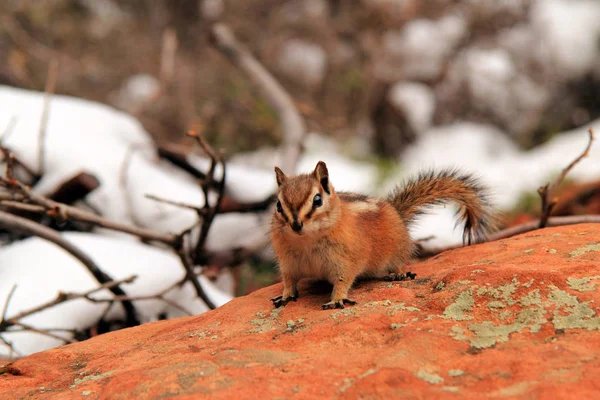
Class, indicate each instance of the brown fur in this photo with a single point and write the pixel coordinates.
(351, 235)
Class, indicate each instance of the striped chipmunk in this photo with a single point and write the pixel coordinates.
(339, 237)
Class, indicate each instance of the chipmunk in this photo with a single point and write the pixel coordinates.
(339, 237)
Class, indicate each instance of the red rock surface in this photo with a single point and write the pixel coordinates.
(517, 318)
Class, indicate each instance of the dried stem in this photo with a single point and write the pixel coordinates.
(167, 56)
(49, 91)
(547, 192)
(291, 121)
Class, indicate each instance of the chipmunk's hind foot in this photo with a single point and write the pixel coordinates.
(279, 301)
(338, 304)
(399, 277)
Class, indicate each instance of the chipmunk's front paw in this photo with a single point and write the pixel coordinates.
(399, 277)
(279, 301)
(338, 304)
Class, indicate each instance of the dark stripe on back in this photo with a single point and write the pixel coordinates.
(352, 197)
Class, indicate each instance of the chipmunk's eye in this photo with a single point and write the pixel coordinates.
(317, 201)
(279, 208)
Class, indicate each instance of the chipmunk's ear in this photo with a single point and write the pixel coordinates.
(322, 176)
(280, 176)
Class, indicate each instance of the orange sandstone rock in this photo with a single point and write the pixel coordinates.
(517, 318)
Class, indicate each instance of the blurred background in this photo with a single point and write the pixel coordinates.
(383, 71)
(506, 89)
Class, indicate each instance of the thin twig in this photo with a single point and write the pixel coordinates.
(10, 348)
(27, 226)
(8, 298)
(145, 298)
(547, 192)
(291, 121)
(49, 91)
(178, 157)
(197, 209)
(43, 332)
(61, 298)
(124, 182)
(157, 296)
(207, 212)
(189, 270)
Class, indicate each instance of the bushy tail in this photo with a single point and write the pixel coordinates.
(431, 188)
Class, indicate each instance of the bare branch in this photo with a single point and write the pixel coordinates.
(27, 226)
(547, 192)
(49, 91)
(291, 121)
(207, 212)
(17, 205)
(53, 208)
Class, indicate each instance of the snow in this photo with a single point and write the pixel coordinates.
(136, 90)
(40, 270)
(423, 45)
(303, 61)
(416, 101)
(567, 34)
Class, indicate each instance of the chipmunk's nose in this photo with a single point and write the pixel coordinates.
(297, 226)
